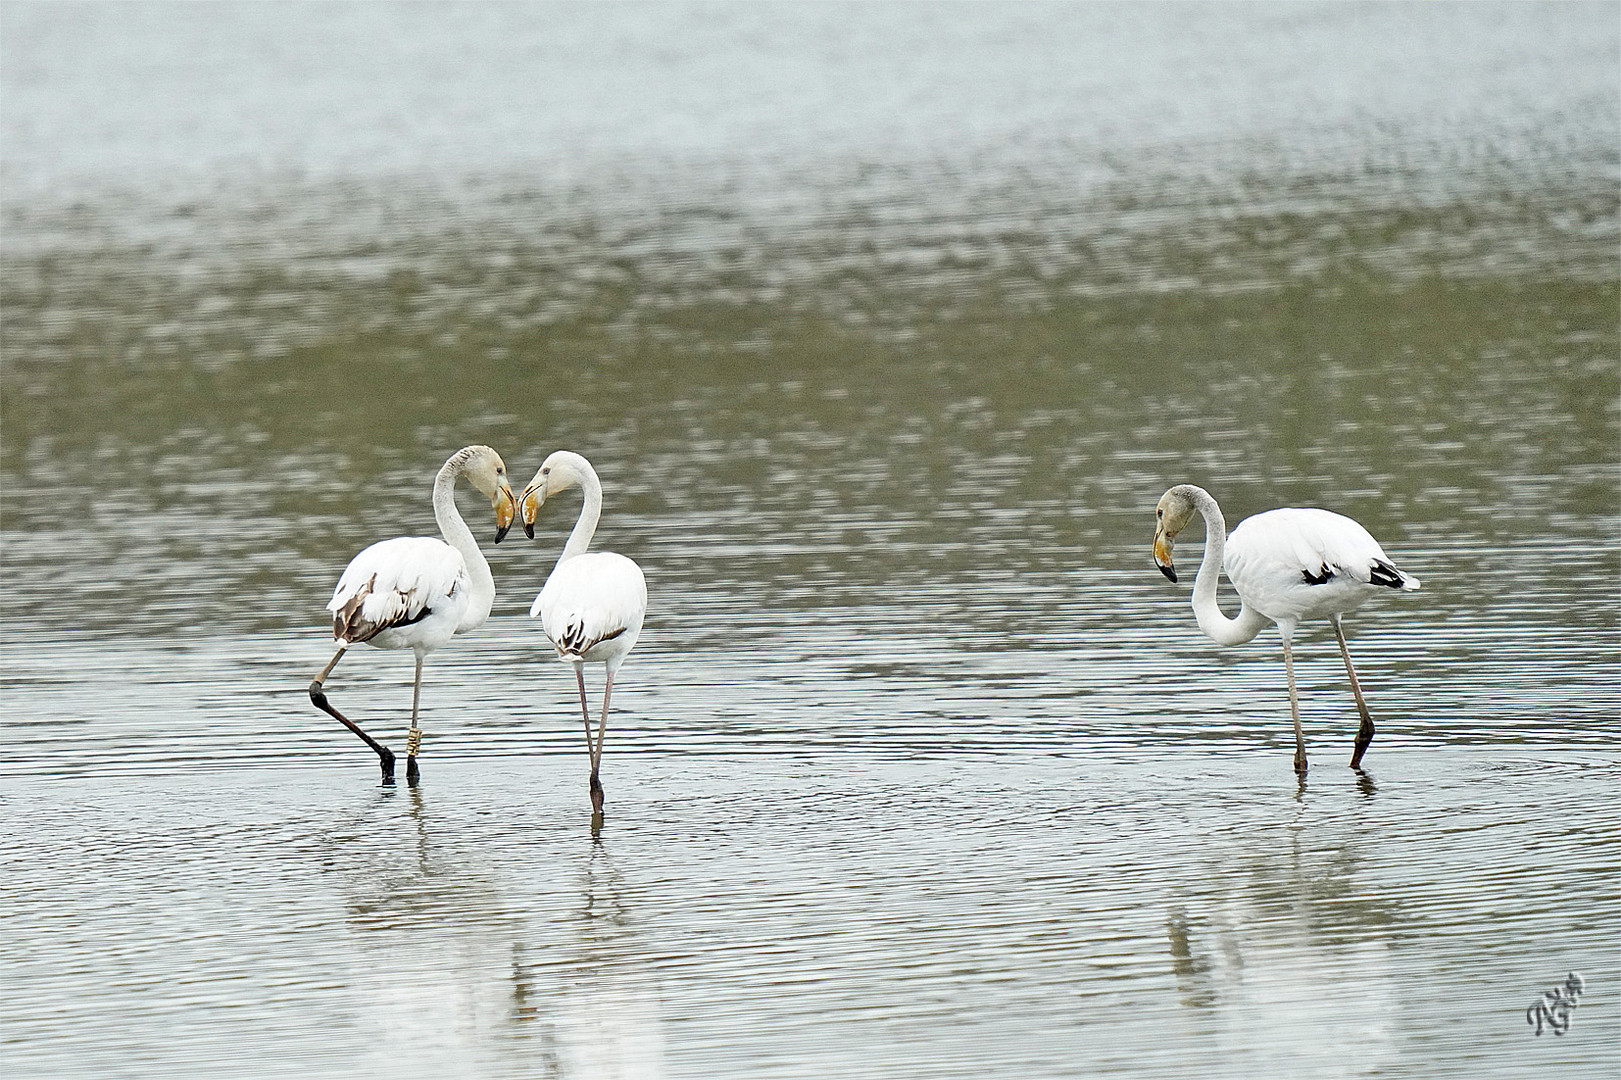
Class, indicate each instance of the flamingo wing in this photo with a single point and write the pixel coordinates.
(1310, 547)
(395, 583)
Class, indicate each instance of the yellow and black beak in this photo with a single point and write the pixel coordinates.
(505, 506)
(1162, 553)
(529, 506)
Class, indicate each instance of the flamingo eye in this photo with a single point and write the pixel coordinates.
(1159, 513)
(545, 472)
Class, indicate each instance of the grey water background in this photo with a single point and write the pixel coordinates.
(885, 325)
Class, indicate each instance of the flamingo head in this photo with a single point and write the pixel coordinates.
(486, 471)
(558, 472)
(1170, 517)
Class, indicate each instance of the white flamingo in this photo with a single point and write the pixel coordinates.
(1287, 565)
(593, 603)
(417, 592)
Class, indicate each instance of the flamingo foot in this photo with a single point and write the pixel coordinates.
(596, 795)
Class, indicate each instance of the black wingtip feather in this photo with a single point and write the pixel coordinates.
(1382, 573)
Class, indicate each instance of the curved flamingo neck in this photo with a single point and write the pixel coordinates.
(590, 512)
(459, 536)
(1218, 627)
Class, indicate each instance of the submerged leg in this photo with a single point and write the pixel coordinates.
(413, 738)
(385, 756)
(1294, 709)
(1364, 734)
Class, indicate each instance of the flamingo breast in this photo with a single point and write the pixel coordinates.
(592, 607)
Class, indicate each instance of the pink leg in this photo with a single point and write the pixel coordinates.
(1294, 709)
(1364, 733)
(590, 749)
(596, 754)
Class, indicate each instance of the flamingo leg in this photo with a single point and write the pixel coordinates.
(1364, 734)
(585, 708)
(1294, 709)
(413, 739)
(385, 756)
(590, 749)
(596, 754)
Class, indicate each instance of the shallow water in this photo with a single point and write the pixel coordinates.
(819, 913)
(885, 327)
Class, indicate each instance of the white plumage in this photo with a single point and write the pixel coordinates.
(1306, 563)
(1287, 565)
(418, 592)
(592, 605)
(411, 592)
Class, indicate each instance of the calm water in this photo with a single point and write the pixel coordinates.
(885, 325)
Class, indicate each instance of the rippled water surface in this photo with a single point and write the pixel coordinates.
(885, 326)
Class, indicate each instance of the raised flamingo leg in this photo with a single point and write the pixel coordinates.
(385, 756)
(1364, 733)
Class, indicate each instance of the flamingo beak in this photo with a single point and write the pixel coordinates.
(529, 506)
(1162, 554)
(504, 507)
